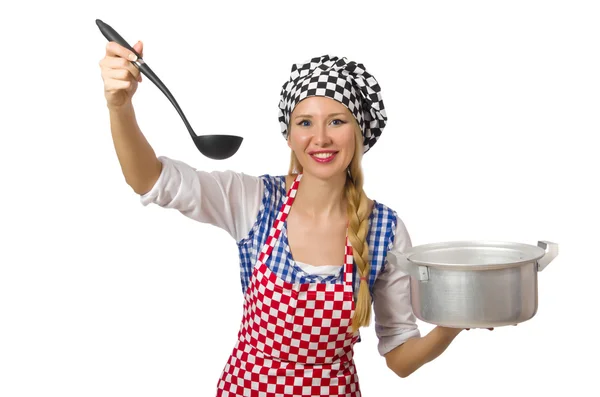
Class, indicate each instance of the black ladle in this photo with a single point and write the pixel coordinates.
(216, 147)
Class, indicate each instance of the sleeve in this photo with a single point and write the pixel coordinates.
(395, 321)
(226, 199)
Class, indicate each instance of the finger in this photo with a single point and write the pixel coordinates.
(139, 48)
(114, 79)
(120, 63)
(116, 85)
(115, 49)
(117, 74)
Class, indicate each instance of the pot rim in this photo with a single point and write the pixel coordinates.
(526, 253)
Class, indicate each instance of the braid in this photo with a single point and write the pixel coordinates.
(358, 216)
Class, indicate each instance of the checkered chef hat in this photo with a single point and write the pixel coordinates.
(345, 81)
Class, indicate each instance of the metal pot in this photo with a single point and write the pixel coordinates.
(475, 284)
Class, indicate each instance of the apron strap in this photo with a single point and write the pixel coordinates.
(349, 262)
(267, 248)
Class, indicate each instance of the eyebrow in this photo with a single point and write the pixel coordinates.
(309, 116)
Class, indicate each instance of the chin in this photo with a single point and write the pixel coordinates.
(324, 172)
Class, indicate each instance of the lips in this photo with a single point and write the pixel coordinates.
(323, 157)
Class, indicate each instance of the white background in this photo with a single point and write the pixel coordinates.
(493, 111)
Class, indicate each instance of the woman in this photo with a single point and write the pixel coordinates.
(312, 245)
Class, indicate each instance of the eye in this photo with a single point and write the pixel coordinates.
(302, 123)
(340, 122)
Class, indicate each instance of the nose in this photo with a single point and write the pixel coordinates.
(321, 135)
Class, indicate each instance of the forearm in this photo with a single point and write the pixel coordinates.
(138, 161)
(415, 352)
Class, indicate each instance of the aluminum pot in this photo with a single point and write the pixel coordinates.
(475, 284)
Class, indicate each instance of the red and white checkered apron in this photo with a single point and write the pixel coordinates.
(295, 339)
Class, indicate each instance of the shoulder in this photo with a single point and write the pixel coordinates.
(399, 238)
(274, 189)
(274, 184)
(383, 212)
(268, 205)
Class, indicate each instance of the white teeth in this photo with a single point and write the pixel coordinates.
(323, 155)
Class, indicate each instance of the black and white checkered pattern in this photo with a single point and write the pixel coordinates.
(345, 81)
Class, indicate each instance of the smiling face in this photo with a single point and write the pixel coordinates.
(322, 136)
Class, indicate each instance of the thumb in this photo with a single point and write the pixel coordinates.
(139, 48)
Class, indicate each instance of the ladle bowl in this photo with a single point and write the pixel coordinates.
(216, 147)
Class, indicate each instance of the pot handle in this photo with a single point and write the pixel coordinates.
(396, 258)
(551, 253)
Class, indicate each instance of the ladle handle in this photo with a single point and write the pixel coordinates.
(112, 35)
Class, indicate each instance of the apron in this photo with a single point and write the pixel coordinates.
(295, 339)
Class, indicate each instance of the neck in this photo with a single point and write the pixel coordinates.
(320, 198)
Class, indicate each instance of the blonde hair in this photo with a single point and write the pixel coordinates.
(358, 216)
